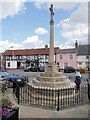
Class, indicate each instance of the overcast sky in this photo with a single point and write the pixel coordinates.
(25, 24)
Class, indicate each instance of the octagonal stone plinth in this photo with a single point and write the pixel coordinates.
(52, 78)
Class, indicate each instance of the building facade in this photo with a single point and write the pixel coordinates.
(77, 57)
(16, 59)
(67, 57)
(83, 56)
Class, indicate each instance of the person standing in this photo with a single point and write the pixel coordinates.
(78, 79)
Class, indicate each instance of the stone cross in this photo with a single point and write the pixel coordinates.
(51, 50)
(52, 13)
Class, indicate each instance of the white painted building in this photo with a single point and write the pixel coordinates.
(23, 58)
(83, 56)
(82, 61)
(11, 64)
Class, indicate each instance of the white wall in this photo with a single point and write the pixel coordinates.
(13, 64)
(83, 60)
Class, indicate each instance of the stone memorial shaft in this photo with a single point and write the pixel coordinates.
(51, 50)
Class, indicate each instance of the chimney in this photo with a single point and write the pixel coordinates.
(46, 46)
(76, 44)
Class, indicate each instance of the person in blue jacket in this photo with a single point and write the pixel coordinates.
(78, 79)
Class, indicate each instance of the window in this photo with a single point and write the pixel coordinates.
(36, 57)
(80, 63)
(8, 64)
(87, 64)
(28, 57)
(31, 57)
(87, 57)
(61, 56)
(70, 56)
(46, 57)
(65, 65)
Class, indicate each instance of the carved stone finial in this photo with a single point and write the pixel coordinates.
(51, 9)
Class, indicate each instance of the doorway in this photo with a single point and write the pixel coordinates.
(18, 65)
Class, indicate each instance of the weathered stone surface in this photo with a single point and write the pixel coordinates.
(53, 84)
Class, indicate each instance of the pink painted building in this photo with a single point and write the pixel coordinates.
(67, 57)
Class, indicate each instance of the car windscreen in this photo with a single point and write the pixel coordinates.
(8, 73)
(3, 74)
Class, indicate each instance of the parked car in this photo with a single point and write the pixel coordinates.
(27, 69)
(69, 69)
(83, 70)
(41, 68)
(3, 78)
(9, 76)
(32, 69)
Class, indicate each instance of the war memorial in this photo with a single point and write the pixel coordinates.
(51, 90)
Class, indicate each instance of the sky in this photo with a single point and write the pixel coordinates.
(26, 24)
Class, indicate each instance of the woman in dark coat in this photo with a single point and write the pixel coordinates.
(78, 80)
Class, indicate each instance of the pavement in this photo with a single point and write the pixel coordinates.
(26, 111)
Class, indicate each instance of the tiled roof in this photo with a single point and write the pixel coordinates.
(66, 51)
(83, 50)
(40, 51)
